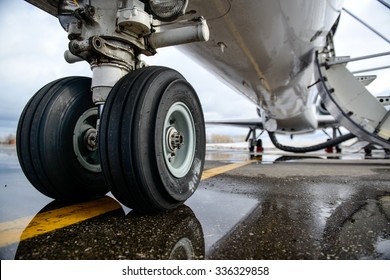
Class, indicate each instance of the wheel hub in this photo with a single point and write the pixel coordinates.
(175, 140)
(85, 142)
(179, 138)
(90, 139)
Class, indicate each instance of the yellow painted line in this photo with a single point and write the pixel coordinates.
(16, 230)
(223, 169)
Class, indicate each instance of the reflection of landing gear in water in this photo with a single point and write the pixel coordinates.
(344, 237)
(172, 235)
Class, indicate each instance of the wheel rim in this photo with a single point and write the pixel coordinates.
(85, 141)
(179, 140)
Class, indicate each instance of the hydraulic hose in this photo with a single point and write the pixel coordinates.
(321, 146)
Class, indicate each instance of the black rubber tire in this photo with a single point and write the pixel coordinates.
(131, 141)
(45, 141)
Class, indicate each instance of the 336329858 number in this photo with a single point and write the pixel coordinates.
(242, 271)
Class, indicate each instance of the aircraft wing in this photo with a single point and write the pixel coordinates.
(249, 123)
(324, 121)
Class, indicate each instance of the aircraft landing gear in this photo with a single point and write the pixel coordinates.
(152, 139)
(254, 142)
(139, 130)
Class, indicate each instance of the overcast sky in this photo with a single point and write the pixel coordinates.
(33, 43)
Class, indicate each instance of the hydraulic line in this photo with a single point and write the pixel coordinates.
(321, 146)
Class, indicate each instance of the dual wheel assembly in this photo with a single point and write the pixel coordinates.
(148, 150)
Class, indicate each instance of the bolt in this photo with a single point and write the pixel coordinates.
(172, 157)
(177, 140)
(174, 139)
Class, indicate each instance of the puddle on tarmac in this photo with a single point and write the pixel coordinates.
(382, 247)
(219, 212)
(272, 155)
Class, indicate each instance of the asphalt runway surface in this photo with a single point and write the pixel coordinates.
(270, 206)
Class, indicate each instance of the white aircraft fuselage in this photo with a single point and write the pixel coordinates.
(265, 50)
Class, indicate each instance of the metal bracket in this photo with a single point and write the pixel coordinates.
(123, 55)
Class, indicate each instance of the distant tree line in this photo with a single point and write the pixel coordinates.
(8, 140)
(213, 138)
(219, 138)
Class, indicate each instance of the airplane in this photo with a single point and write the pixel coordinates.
(138, 130)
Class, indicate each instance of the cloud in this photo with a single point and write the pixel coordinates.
(31, 55)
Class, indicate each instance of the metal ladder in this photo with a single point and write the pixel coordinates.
(350, 103)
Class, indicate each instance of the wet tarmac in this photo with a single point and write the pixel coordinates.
(272, 206)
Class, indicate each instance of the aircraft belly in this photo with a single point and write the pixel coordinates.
(265, 49)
